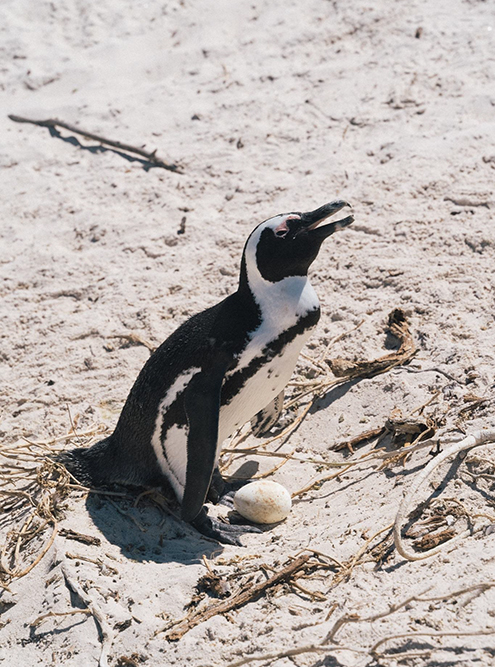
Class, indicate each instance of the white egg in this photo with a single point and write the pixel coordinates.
(263, 502)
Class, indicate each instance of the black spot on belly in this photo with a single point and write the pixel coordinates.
(238, 379)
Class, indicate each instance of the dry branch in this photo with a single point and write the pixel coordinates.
(52, 614)
(328, 645)
(398, 326)
(474, 440)
(70, 534)
(54, 123)
(248, 593)
(107, 632)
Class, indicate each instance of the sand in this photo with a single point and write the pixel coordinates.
(267, 107)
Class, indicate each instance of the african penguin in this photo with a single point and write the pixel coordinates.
(223, 367)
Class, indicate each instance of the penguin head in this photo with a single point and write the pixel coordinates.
(287, 244)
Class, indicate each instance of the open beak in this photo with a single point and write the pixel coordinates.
(310, 221)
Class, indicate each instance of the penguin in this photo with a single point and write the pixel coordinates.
(220, 369)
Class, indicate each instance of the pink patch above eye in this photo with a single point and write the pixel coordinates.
(282, 227)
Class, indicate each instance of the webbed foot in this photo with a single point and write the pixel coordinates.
(223, 492)
(225, 533)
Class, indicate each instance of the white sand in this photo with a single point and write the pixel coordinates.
(297, 104)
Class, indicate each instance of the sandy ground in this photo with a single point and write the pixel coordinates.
(268, 107)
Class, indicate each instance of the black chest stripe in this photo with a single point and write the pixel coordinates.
(233, 385)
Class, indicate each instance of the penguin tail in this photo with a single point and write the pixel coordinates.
(90, 466)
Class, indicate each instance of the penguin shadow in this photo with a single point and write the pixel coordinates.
(144, 530)
(146, 164)
(334, 394)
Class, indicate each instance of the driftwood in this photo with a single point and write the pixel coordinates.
(70, 534)
(107, 632)
(247, 594)
(473, 440)
(397, 322)
(53, 123)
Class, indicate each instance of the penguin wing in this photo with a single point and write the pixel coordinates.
(202, 405)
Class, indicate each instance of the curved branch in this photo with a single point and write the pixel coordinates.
(474, 440)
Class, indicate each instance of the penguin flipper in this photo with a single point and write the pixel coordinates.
(268, 417)
(202, 405)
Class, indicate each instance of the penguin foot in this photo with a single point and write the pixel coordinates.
(223, 492)
(228, 499)
(225, 533)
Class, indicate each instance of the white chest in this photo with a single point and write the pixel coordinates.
(260, 388)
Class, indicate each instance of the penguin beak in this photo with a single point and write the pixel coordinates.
(310, 221)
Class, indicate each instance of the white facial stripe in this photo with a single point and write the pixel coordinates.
(284, 302)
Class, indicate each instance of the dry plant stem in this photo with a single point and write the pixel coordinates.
(16, 573)
(337, 338)
(365, 546)
(107, 633)
(474, 440)
(247, 594)
(100, 492)
(288, 455)
(69, 436)
(321, 480)
(135, 338)
(325, 647)
(362, 437)
(128, 516)
(50, 614)
(398, 325)
(53, 123)
(262, 475)
(314, 595)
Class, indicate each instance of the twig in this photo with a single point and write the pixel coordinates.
(128, 516)
(321, 480)
(50, 614)
(397, 323)
(70, 534)
(95, 561)
(327, 645)
(16, 573)
(315, 595)
(53, 123)
(348, 567)
(474, 440)
(433, 370)
(362, 437)
(136, 340)
(337, 338)
(107, 633)
(101, 428)
(247, 594)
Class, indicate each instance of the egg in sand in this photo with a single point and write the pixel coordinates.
(263, 502)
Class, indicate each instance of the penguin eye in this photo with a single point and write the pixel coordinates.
(282, 230)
